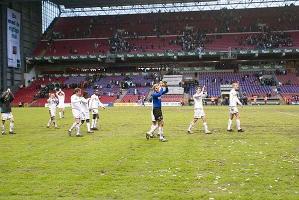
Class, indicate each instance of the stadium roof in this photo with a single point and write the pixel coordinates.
(108, 3)
(164, 7)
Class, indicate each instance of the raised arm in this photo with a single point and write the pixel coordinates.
(158, 94)
(196, 95)
(84, 100)
(165, 91)
(12, 97)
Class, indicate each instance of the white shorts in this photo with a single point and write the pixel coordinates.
(233, 110)
(95, 111)
(85, 115)
(61, 105)
(52, 112)
(199, 113)
(7, 116)
(76, 114)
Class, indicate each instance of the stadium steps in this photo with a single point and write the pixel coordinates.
(186, 98)
(43, 52)
(32, 103)
(124, 92)
(281, 99)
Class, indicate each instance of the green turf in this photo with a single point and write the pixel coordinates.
(118, 163)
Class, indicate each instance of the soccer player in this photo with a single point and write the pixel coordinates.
(5, 104)
(198, 110)
(61, 97)
(76, 110)
(159, 90)
(94, 105)
(154, 125)
(233, 109)
(52, 104)
(85, 111)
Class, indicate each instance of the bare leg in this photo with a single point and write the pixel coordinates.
(205, 125)
(230, 121)
(78, 124)
(161, 132)
(3, 127)
(238, 122)
(11, 125)
(192, 124)
(54, 122)
(154, 126)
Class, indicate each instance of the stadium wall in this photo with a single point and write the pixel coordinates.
(30, 34)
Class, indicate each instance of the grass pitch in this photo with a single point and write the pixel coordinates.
(117, 162)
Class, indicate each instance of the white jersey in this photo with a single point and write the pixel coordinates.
(233, 98)
(76, 102)
(197, 97)
(61, 97)
(84, 105)
(52, 103)
(94, 102)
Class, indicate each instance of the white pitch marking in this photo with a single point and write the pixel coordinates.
(290, 114)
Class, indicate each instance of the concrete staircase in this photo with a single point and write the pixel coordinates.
(186, 98)
(281, 99)
(124, 92)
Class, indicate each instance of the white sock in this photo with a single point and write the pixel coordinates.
(49, 122)
(205, 125)
(55, 124)
(161, 132)
(153, 128)
(92, 123)
(238, 124)
(60, 115)
(78, 128)
(11, 126)
(73, 126)
(95, 122)
(88, 126)
(3, 128)
(191, 126)
(229, 124)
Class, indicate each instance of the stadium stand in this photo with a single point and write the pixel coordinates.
(223, 21)
(288, 79)
(219, 30)
(249, 83)
(137, 87)
(109, 86)
(28, 94)
(239, 29)
(176, 91)
(135, 94)
(240, 41)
